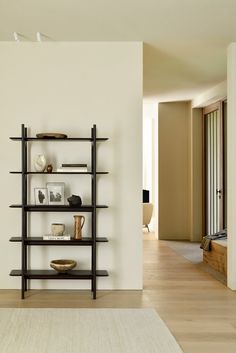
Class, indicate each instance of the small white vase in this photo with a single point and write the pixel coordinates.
(40, 163)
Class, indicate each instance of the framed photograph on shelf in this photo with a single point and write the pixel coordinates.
(41, 196)
(56, 193)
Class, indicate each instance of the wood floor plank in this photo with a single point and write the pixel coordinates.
(199, 310)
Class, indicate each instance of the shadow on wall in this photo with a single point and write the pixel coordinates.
(165, 73)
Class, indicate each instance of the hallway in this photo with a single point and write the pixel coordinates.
(199, 310)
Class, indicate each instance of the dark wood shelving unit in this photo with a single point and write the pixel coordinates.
(26, 209)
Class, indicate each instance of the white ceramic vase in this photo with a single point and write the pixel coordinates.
(40, 163)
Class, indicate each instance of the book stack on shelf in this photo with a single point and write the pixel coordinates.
(73, 168)
(57, 237)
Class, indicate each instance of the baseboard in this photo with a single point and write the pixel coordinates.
(173, 237)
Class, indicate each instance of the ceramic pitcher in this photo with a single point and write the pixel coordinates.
(79, 223)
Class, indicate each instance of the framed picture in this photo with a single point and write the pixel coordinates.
(56, 193)
(41, 196)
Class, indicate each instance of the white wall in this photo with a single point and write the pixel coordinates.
(150, 152)
(67, 87)
(231, 165)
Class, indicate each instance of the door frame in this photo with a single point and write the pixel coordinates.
(206, 110)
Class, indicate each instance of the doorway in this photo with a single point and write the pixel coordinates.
(215, 167)
(150, 175)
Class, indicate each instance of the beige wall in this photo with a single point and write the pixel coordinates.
(174, 170)
(67, 87)
(180, 178)
(196, 133)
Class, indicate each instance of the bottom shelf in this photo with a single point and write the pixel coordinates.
(51, 274)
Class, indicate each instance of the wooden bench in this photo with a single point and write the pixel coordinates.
(217, 257)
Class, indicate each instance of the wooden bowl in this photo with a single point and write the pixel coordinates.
(50, 135)
(63, 266)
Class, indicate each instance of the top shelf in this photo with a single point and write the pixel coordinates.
(82, 139)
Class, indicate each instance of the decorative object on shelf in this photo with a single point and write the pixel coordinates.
(79, 223)
(56, 193)
(50, 135)
(73, 168)
(49, 168)
(63, 265)
(57, 229)
(74, 201)
(74, 165)
(41, 196)
(60, 237)
(40, 163)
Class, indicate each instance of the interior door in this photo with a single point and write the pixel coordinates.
(214, 168)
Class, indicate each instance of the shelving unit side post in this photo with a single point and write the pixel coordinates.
(94, 210)
(23, 211)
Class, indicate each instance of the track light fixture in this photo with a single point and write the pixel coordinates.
(16, 36)
(38, 37)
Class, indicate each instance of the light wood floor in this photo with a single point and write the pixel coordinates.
(199, 311)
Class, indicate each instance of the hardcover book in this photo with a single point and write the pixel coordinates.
(65, 165)
(60, 237)
(72, 169)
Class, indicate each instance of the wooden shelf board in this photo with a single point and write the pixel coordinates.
(45, 173)
(60, 208)
(51, 274)
(39, 241)
(82, 139)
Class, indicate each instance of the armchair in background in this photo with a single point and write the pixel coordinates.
(147, 214)
(147, 209)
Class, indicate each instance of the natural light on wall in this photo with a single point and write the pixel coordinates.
(150, 145)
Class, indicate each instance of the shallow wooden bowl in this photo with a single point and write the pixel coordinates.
(63, 266)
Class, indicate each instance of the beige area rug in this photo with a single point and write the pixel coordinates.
(189, 250)
(84, 331)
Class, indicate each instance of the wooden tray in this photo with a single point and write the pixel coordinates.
(49, 135)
